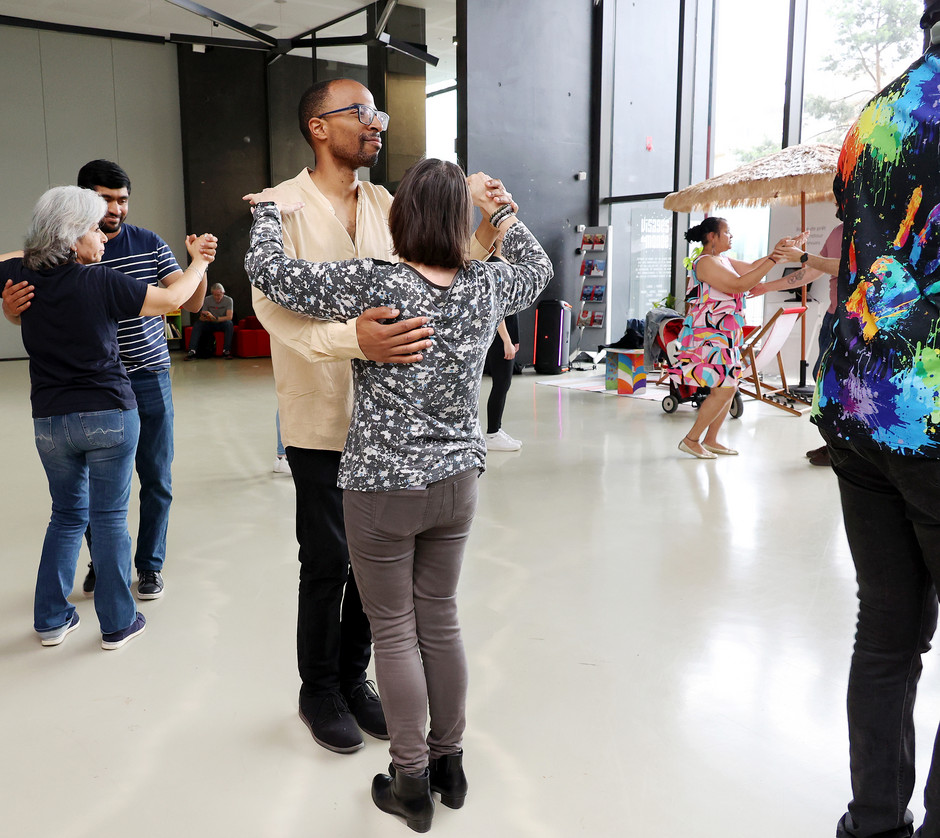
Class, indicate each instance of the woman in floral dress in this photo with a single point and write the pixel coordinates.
(712, 334)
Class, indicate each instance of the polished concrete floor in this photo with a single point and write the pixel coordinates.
(658, 645)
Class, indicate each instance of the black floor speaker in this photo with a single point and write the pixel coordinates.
(552, 335)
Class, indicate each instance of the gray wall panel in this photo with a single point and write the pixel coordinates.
(287, 80)
(22, 151)
(528, 122)
(146, 93)
(76, 98)
(22, 132)
(78, 89)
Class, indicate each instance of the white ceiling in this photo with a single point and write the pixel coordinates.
(290, 18)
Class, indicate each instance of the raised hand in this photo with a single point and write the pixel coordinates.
(268, 194)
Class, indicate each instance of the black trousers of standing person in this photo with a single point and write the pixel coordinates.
(891, 507)
(334, 643)
(501, 372)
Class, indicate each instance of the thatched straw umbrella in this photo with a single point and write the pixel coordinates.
(799, 174)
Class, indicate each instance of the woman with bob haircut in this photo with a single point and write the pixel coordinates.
(84, 411)
(713, 331)
(415, 450)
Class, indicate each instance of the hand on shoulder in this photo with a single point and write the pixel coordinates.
(285, 203)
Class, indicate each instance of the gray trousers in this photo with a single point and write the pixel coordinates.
(406, 547)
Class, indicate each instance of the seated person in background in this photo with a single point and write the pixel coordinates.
(215, 315)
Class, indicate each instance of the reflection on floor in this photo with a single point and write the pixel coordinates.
(658, 645)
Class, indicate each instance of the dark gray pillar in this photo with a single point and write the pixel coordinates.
(524, 95)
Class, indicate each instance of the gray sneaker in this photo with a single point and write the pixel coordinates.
(56, 636)
(149, 584)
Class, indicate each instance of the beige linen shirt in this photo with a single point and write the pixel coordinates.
(312, 373)
(315, 399)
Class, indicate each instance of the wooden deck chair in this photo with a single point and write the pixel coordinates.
(759, 349)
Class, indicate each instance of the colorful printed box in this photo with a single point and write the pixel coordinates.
(624, 371)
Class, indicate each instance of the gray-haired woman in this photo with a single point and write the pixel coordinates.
(84, 412)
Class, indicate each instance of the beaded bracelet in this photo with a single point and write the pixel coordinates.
(507, 215)
(503, 212)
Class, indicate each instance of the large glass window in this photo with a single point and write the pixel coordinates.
(643, 158)
(641, 260)
(750, 87)
(750, 81)
(853, 49)
(644, 119)
(441, 91)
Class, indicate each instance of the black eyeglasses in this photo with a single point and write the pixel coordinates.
(365, 113)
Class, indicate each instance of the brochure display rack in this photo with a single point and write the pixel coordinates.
(593, 319)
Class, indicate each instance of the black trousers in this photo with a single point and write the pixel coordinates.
(501, 372)
(334, 643)
(891, 507)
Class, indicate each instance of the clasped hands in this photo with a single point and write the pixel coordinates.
(203, 246)
(790, 249)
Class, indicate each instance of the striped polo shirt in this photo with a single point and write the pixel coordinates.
(143, 256)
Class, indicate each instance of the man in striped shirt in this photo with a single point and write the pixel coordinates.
(144, 256)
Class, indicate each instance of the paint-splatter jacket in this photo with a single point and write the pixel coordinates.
(880, 379)
(412, 424)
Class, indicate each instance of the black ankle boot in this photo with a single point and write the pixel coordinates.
(407, 797)
(448, 779)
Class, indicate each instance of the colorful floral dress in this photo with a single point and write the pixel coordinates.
(712, 334)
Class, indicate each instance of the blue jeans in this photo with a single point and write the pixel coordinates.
(891, 507)
(154, 459)
(88, 459)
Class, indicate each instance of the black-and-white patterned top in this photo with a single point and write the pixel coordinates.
(412, 424)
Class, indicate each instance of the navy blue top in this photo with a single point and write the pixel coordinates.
(70, 333)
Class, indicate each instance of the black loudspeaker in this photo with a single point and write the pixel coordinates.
(552, 335)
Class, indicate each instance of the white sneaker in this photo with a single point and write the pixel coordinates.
(501, 441)
(281, 466)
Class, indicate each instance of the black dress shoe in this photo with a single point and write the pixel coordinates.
(405, 796)
(820, 457)
(365, 704)
(331, 723)
(448, 779)
(88, 586)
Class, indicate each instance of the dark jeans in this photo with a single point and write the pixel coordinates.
(334, 644)
(891, 507)
(825, 340)
(501, 372)
(227, 327)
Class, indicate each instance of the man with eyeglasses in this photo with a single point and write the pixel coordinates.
(342, 218)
